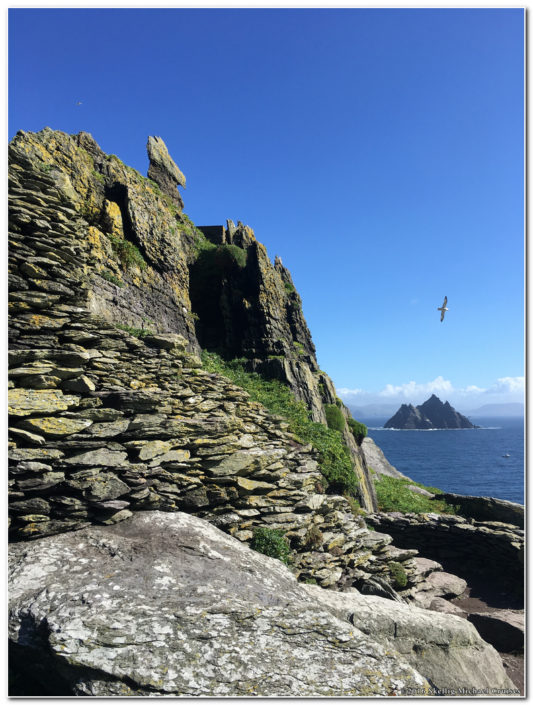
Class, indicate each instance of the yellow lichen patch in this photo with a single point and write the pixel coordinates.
(40, 321)
(17, 306)
(203, 441)
(97, 242)
(113, 219)
(30, 529)
(362, 558)
(23, 402)
(32, 270)
(339, 541)
(57, 426)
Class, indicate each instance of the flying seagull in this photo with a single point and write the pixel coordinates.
(443, 308)
(79, 102)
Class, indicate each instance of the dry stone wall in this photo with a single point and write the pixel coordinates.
(134, 257)
(128, 425)
(103, 423)
(478, 550)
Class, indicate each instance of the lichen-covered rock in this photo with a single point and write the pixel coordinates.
(126, 248)
(442, 647)
(165, 604)
(23, 402)
(164, 171)
(89, 233)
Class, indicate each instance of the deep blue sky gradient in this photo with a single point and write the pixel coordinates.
(380, 153)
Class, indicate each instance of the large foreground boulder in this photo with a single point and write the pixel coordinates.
(443, 647)
(166, 604)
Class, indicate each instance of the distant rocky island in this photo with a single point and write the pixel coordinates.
(431, 414)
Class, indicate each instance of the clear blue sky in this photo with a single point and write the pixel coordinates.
(378, 152)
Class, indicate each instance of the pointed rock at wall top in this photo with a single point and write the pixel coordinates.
(163, 170)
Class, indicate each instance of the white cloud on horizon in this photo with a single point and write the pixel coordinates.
(507, 384)
(350, 392)
(412, 389)
(504, 390)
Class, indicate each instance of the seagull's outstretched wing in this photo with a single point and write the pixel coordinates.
(443, 308)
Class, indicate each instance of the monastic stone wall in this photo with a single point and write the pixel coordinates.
(491, 550)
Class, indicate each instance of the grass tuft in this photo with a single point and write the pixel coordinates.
(271, 542)
(358, 429)
(137, 332)
(394, 496)
(111, 278)
(128, 253)
(334, 417)
(398, 574)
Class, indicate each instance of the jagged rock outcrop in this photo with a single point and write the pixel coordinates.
(443, 648)
(164, 171)
(89, 232)
(82, 220)
(431, 414)
(165, 604)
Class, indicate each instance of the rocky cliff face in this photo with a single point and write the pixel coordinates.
(103, 422)
(136, 260)
(431, 414)
(113, 420)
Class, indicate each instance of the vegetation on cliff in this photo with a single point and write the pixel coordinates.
(358, 429)
(335, 462)
(394, 495)
(334, 417)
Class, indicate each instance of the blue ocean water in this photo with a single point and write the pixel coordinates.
(486, 461)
